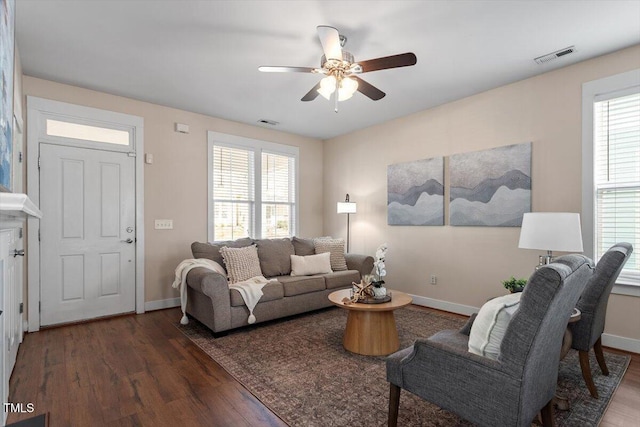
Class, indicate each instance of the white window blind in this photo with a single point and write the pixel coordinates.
(233, 193)
(278, 195)
(252, 188)
(617, 178)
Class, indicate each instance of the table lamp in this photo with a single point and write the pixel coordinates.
(551, 231)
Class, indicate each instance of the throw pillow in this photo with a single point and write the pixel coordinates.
(302, 246)
(242, 263)
(311, 264)
(212, 250)
(336, 248)
(275, 256)
(491, 324)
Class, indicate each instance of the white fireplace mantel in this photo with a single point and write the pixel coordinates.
(17, 206)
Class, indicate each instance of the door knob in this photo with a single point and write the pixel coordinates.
(17, 252)
(127, 241)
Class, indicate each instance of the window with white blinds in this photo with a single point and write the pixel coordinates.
(233, 193)
(253, 188)
(278, 195)
(616, 142)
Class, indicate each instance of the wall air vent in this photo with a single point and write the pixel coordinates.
(268, 122)
(554, 55)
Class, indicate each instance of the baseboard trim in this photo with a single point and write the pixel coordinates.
(161, 304)
(621, 343)
(451, 307)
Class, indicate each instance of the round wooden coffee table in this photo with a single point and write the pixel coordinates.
(371, 328)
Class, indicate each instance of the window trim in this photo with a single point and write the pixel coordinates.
(594, 91)
(257, 146)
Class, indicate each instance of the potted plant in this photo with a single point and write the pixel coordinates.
(380, 271)
(514, 285)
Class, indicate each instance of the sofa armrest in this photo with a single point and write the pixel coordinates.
(362, 263)
(466, 329)
(216, 287)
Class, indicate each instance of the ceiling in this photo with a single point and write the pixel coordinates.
(203, 56)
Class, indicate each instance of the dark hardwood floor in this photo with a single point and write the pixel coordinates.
(140, 370)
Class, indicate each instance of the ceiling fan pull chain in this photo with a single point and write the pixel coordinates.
(336, 92)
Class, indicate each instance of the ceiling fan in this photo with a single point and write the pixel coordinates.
(341, 70)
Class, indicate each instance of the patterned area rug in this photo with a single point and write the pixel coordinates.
(299, 369)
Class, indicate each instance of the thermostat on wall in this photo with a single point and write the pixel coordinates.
(182, 128)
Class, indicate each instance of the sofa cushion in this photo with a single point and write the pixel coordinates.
(302, 246)
(296, 285)
(242, 263)
(310, 264)
(271, 291)
(336, 248)
(275, 256)
(491, 323)
(212, 250)
(339, 279)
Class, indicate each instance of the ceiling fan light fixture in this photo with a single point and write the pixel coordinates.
(327, 86)
(348, 87)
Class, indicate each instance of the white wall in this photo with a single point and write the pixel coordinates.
(471, 262)
(176, 183)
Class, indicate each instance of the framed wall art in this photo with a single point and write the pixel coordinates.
(6, 92)
(491, 187)
(415, 192)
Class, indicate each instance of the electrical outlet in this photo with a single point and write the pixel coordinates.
(434, 279)
(164, 224)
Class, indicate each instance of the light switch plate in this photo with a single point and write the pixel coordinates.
(164, 224)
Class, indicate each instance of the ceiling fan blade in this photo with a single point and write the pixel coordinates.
(393, 61)
(368, 89)
(330, 40)
(312, 94)
(269, 69)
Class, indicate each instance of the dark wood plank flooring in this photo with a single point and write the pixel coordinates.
(140, 370)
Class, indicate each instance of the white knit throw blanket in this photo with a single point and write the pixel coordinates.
(181, 275)
(251, 292)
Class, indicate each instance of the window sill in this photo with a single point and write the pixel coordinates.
(626, 289)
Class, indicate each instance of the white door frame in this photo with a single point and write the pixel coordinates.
(37, 109)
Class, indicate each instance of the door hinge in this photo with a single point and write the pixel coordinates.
(21, 307)
(39, 306)
(20, 233)
(38, 234)
(38, 162)
(20, 157)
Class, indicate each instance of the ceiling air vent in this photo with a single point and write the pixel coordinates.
(268, 122)
(554, 55)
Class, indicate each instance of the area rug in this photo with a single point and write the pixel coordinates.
(298, 368)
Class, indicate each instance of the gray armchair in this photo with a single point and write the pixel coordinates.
(593, 306)
(511, 390)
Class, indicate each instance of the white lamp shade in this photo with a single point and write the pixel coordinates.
(551, 231)
(346, 207)
(327, 87)
(348, 87)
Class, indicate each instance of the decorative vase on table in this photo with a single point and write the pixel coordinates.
(379, 290)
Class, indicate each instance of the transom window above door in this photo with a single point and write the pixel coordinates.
(86, 132)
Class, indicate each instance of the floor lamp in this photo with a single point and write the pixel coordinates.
(348, 208)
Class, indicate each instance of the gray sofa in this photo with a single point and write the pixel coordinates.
(211, 302)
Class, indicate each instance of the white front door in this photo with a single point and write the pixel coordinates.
(87, 233)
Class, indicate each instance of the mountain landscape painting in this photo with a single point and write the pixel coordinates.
(491, 187)
(415, 192)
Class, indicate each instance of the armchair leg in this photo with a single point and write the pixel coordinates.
(597, 348)
(586, 373)
(547, 415)
(394, 404)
